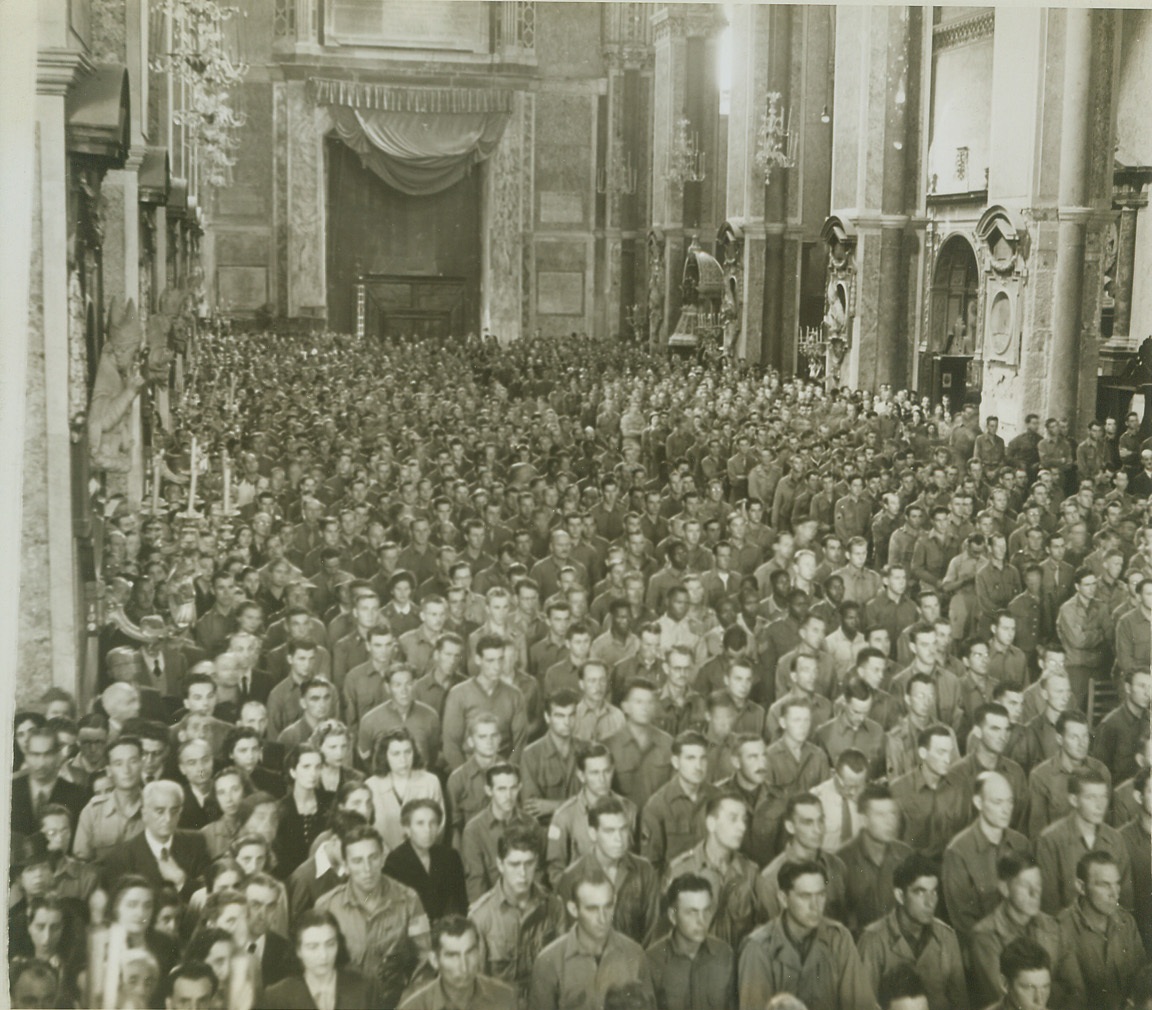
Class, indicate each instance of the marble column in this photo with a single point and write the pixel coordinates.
(506, 213)
(304, 185)
(677, 91)
(776, 261)
(120, 196)
(1074, 214)
(869, 175)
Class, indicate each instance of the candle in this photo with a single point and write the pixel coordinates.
(156, 465)
(227, 485)
(192, 482)
(232, 393)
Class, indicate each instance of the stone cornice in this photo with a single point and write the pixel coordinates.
(57, 69)
(964, 30)
(687, 20)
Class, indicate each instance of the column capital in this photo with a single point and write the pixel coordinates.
(57, 69)
(687, 20)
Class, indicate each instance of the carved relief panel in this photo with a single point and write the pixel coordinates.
(1002, 244)
(839, 237)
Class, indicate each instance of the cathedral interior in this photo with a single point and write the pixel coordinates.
(946, 200)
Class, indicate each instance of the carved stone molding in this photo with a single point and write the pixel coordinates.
(687, 21)
(963, 31)
(56, 69)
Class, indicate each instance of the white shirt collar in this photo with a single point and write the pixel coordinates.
(156, 845)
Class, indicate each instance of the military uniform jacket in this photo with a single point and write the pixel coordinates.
(736, 905)
(831, 977)
(884, 946)
(637, 911)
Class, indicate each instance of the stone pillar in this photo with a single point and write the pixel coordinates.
(869, 176)
(1132, 199)
(1074, 214)
(745, 184)
(305, 204)
(120, 195)
(19, 208)
(675, 94)
(48, 644)
(506, 217)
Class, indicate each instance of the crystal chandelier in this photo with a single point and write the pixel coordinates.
(685, 159)
(775, 141)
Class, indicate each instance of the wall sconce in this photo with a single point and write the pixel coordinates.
(685, 159)
(825, 115)
(619, 175)
(775, 142)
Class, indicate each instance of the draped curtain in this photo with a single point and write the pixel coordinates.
(419, 153)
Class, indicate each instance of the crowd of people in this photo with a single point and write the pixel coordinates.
(443, 674)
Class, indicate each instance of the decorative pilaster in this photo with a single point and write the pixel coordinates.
(685, 88)
(1130, 197)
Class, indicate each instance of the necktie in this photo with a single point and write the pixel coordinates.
(845, 821)
(156, 671)
(39, 802)
(165, 854)
(244, 686)
(252, 948)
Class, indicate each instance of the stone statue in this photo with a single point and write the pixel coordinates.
(118, 381)
(655, 292)
(730, 316)
(836, 318)
(161, 325)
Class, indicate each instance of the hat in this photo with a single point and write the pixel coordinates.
(124, 663)
(153, 626)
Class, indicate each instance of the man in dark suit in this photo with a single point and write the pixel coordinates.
(277, 959)
(43, 785)
(164, 665)
(160, 853)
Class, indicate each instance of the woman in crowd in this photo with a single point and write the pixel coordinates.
(302, 811)
(398, 779)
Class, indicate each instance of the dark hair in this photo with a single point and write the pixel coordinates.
(1023, 954)
(592, 750)
(607, 805)
(870, 794)
(689, 882)
(380, 752)
(853, 760)
(519, 838)
(1009, 867)
(901, 981)
(361, 833)
(689, 738)
(313, 918)
(452, 925)
(249, 804)
(421, 803)
(790, 872)
(1086, 777)
(500, 768)
(564, 698)
(911, 868)
(1097, 857)
(194, 971)
(800, 800)
(628, 996)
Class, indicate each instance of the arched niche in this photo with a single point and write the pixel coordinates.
(954, 326)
